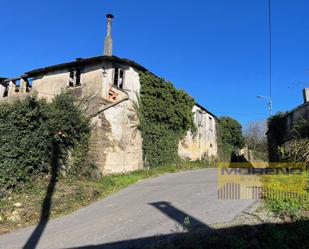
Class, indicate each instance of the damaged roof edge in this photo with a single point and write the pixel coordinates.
(204, 109)
(81, 62)
(294, 110)
(3, 81)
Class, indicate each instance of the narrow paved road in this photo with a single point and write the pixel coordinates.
(137, 214)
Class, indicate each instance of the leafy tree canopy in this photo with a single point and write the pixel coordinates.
(231, 132)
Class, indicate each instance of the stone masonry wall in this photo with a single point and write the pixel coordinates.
(204, 142)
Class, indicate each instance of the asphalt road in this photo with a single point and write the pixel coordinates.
(140, 214)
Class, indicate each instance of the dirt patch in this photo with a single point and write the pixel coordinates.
(254, 215)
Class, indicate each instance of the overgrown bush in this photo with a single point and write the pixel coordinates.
(288, 195)
(301, 129)
(275, 135)
(33, 134)
(230, 132)
(296, 150)
(230, 138)
(165, 115)
(225, 151)
(277, 126)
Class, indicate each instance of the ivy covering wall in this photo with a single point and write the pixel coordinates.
(296, 150)
(165, 115)
(33, 133)
(275, 135)
(230, 138)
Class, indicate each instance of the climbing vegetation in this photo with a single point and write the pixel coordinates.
(277, 127)
(229, 137)
(230, 132)
(165, 115)
(34, 133)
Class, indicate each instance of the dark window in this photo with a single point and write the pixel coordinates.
(211, 124)
(120, 83)
(71, 82)
(6, 92)
(118, 77)
(75, 77)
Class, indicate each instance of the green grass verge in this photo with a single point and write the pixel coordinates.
(290, 197)
(71, 194)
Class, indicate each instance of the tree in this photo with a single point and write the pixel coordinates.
(255, 135)
(231, 132)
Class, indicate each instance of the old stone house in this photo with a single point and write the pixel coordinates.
(111, 85)
(281, 132)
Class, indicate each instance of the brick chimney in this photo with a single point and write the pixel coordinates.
(306, 95)
(108, 43)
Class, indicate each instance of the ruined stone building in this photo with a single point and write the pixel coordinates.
(112, 84)
(281, 132)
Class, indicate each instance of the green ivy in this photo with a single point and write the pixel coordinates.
(230, 132)
(165, 115)
(275, 135)
(30, 130)
(301, 129)
(277, 126)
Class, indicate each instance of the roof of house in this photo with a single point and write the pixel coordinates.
(2, 81)
(204, 109)
(294, 109)
(84, 61)
(77, 63)
(291, 111)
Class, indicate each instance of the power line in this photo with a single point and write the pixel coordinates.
(270, 48)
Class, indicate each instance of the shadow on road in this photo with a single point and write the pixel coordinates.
(46, 206)
(187, 221)
(196, 234)
(199, 235)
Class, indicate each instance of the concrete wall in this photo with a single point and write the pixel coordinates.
(14, 98)
(125, 150)
(51, 84)
(204, 142)
(2, 91)
(115, 142)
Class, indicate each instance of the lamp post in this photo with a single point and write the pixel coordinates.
(270, 103)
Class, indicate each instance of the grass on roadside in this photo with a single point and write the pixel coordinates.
(22, 207)
(289, 198)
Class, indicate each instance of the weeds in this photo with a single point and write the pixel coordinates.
(291, 198)
(76, 192)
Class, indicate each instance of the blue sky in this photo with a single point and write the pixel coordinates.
(216, 50)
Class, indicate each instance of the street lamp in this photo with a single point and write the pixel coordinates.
(270, 104)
